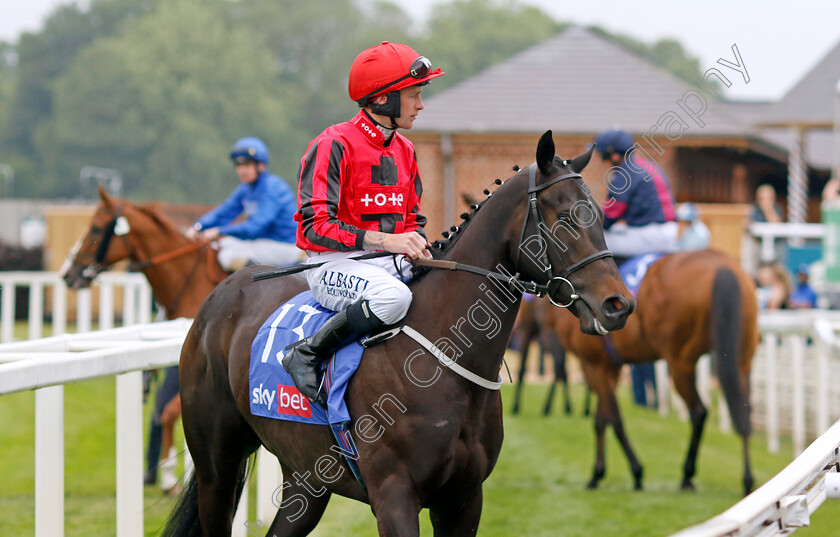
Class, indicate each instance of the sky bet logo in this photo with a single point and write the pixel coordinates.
(289, 400)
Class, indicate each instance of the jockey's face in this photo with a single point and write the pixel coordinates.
(249, 171)
(410, 105)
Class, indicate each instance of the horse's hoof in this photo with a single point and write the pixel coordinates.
(592, 485)
(638, 485)
(515, 409)
(687, 485)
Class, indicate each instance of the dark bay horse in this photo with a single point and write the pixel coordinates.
(181, 273)
(689, 303)
(426, 437)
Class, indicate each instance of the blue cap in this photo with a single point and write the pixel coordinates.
(613, 141)
(249, 148)
(803, 269)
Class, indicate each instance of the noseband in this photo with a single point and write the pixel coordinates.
(534, 213)
(105, 236)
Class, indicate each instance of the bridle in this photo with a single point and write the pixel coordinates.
(103, 237)
(513, 282)
(118, 226)
(534, 213)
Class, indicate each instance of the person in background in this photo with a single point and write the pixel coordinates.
(803, 295)
(267, 235)
(773, 286)
(765, 208)
(640, 197)
(696, 236)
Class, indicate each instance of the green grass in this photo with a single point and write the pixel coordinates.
(536, 489)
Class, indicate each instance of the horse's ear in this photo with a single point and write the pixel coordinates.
(545, 152)
(580, 161)
(103, 194)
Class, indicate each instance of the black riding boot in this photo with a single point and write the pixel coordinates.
(302, 361)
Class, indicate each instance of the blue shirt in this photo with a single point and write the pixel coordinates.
(803, 297)
(641, 192)
(269, 206)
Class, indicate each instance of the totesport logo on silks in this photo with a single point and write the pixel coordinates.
(380, 199)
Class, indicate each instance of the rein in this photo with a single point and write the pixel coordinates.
(116, 228)
(513, 282)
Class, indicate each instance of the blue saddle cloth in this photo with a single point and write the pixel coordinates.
(634, 269)
(273, 393)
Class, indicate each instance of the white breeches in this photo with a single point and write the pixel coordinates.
(626, 241)
(258, 252)
(341, 282)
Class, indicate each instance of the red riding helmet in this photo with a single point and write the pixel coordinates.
(387, 68)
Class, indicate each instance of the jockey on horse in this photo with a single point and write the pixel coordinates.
(267, 235)
(360, 192)
(640, 195)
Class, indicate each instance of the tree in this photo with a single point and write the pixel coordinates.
(313, 44)
(466, 37)
(162, 102)
(43, 57)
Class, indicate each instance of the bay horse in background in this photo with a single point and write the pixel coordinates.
(531, 326)
(180, 272)
(440, 442)
(688, 304)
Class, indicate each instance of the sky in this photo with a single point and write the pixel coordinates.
(779, 41)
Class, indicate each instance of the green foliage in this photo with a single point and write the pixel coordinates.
(159, 90)
(163, 101)
(667, 53)
(467, 36)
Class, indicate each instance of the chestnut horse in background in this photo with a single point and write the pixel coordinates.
(439, 444)
(181, 272)
(688, 304)
(530, 326)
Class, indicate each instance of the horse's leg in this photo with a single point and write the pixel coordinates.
(170, 415)
(632, 460)
(220, 441)
(396, 506)
(602, 378)
(459, 516)
(527, 336)
(558, 354)
(301, 508)
(683, 375)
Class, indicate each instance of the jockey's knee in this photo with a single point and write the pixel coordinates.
(390, 303)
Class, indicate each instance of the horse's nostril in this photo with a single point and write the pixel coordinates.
(614, 307)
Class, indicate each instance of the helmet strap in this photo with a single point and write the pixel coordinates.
(391, 108)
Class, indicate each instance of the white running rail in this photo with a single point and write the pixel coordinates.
(787, 501)
(45, 365)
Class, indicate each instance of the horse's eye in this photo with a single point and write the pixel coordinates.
(564, 218)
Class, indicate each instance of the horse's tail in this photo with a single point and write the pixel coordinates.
(726, 325)
(184, 521)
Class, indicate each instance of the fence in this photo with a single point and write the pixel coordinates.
(791, 373)
(136, 303)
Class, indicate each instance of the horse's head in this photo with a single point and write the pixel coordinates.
(102, 245)
(561, 242)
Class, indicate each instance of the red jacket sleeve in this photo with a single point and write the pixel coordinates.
(414, 221)
(319, 193)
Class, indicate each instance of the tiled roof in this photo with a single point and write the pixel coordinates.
(812, 100)
(575, 82)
